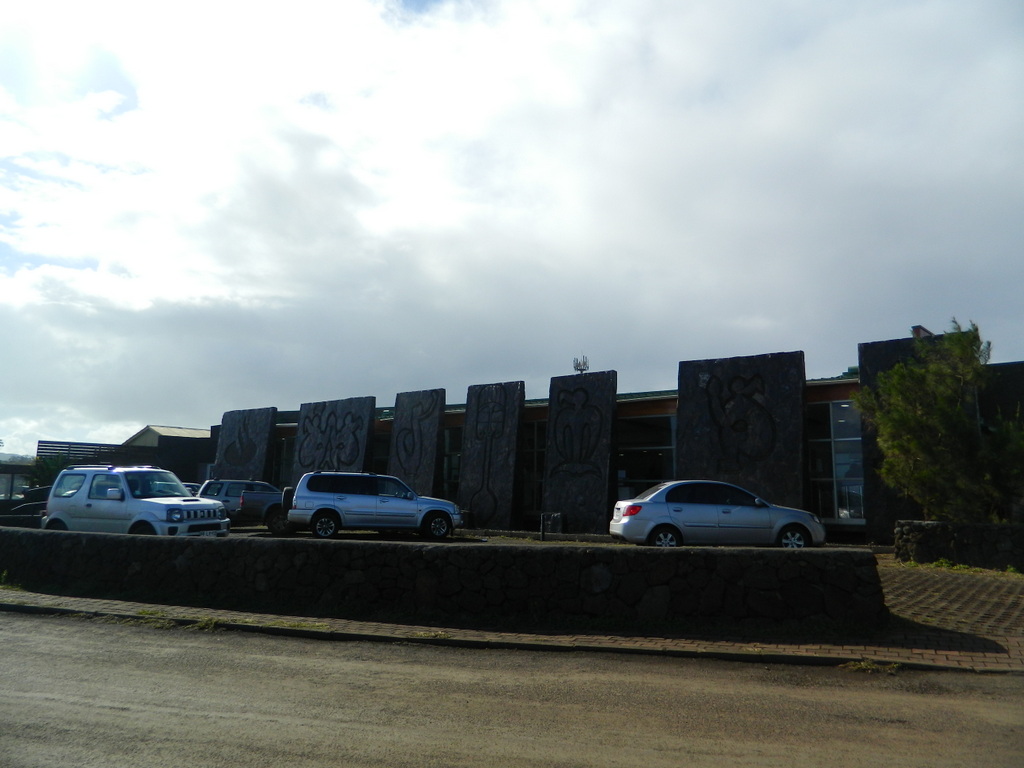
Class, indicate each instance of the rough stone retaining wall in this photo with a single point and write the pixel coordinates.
(354, 579)
(980, 546)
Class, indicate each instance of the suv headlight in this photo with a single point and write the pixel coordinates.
(175, 515)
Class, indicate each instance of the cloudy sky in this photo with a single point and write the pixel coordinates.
(218, 205)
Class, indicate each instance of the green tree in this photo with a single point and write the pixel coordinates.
(936, 448)
(45, 470)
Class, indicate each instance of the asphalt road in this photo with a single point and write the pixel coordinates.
(77, 692)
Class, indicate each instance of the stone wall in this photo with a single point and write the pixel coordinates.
(980, 546)
(457, 581)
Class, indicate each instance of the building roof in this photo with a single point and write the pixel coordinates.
(150, 435)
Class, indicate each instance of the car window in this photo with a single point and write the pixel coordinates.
(101, 484)
(390, 486)
(356, 485)
(690, 493)
(235, 489)
(212, 489)
(154, 484)
(68, 485)
(341, 484)
(319, 484)
(728, 495)
(651, 491)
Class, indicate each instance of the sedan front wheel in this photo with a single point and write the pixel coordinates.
(794, 537)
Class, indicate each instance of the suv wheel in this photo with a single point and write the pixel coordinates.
(437, 525)
(277, 522)
(325, 524)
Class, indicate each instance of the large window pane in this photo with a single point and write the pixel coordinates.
(845, 421)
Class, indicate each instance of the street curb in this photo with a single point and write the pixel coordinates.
(495, 643)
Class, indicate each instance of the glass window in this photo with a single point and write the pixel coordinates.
(5, 487)
(818, 425)
(845, 421)
(213, 489)
(68, 485)
(835, 461)
(102, 485)
(389, 486)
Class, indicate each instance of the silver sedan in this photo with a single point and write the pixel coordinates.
(708, 512)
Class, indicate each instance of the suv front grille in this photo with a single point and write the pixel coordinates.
(200, 514)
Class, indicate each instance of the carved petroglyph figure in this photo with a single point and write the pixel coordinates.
(745, 427)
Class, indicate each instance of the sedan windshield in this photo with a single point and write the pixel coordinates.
(154, 484)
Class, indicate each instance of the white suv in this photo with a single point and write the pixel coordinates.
(108, 499)
(326, 502)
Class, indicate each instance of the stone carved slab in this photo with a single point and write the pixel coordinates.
(489, 441)
(577, 459)
(416, 439)
(740, 420)
(243, 445)
(335, 435)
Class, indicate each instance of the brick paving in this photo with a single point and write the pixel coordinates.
(942, 619)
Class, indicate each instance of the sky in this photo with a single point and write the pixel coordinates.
(215, 206)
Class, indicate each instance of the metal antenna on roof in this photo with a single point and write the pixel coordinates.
(581, 364)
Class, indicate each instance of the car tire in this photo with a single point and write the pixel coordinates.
(56, 525)
(276, 521)
(665, 536)
(437, 526)
(142, 529)
(325, 524)
(794, 537)
(287, 497)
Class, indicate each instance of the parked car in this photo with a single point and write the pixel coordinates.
(707, 512)
(108, 499)
(26, 509)
(327, 502)
(229, 493)
(267, 507)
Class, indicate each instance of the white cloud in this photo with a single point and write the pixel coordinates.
(204, 209)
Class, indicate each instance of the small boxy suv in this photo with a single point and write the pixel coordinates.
(108, 499)
(327, 502)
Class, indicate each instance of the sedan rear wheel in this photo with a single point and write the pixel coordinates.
(794, 537)
(665, 536)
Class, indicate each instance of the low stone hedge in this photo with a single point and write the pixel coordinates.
(454, 580)
(980, 546)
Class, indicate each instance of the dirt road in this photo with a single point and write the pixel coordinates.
(77, 692)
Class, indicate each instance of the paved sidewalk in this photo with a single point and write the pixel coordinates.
(943, 619)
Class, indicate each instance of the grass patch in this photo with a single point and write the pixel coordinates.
(5, 583)
(435, 635)
(313, 625)
(944, 564)
(870, 667)
(207, 624)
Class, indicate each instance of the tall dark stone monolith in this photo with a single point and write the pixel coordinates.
(577, 461)
(740, 420)
(335, 435)
(416, 454)
(489, 441)
(243, 444)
